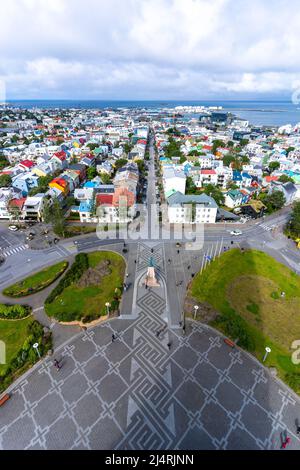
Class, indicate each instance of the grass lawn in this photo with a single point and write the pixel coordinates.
(13, 333)
(249, 286)
(77, 302)
(37, 282)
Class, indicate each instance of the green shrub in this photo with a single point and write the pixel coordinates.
(80, 265)
(13, 312)
(236, 328)
(293, 380)
(26, 356)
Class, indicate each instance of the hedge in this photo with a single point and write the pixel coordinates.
(14, 312)
(80, 265)
(26, 356)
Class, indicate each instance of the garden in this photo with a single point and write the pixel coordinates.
(37, 282)
(93, 280)
(19, 336)
(257, 301)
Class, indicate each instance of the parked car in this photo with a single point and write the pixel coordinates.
(13, 228)
(236, 233)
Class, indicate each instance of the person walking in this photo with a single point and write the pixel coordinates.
(286, 443)
(57, 365)
(113, 338)
(169, 346)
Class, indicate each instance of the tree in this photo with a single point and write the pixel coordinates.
(245, 159)
(289, 150)
(92, 146)
(105, 178)
(120, 163)
(273, 201)
(232, 186)
(215, 193)
(244, 142)
(190, 186)
(274, 166)
(216, 144)
(43, 185)
(277, 199)
(5, 181)
(173, 149)
(294, 224)
(182, 160)
(91, 173)
(54, 214)
(285, 179)
(228, 159)
(127, 148)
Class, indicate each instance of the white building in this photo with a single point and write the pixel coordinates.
(194, 209)
(6, 194)
(33, 208)
(174, 179)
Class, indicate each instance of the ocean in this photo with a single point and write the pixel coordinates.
(268, 113)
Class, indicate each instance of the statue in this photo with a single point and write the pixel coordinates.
(150, 280)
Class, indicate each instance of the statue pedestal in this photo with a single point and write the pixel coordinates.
(150, 280)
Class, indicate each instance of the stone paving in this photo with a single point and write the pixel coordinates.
(136, 394)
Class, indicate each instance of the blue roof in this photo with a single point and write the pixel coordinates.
(86, 206)
(237, 175)
(90, 184)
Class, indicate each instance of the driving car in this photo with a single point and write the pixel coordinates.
(13, 228)
(236, 233)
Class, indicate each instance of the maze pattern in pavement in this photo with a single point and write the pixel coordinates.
(136, 394)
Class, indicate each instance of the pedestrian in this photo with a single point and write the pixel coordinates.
(157, 334)
(57, 365)
(169, 346)
(169, 261)
(113, 338)
(178, 251)
(146, 286)
(298, 428)
(189, 268)
(127, 275)
(135, 261)
(286, 443)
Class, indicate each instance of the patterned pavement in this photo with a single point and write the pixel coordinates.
(137, 394)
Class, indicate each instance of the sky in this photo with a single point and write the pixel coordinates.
(150, 49)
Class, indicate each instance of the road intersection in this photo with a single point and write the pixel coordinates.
(154, 387)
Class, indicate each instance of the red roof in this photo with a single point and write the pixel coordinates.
(104, 199)
(208, 172)
(61, 155)
(27, 163)
(271, 178)
(17, 202)
(61, 181)
(207, 147)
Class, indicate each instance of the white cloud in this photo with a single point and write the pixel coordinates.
(148, 48)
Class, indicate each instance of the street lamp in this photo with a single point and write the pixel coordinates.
(268, 350)
(36, 347)
(196, 308)
(107, 305)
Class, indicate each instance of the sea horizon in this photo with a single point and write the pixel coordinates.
(268, 112)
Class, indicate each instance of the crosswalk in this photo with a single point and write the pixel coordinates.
(267, 228)
(6, 252)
